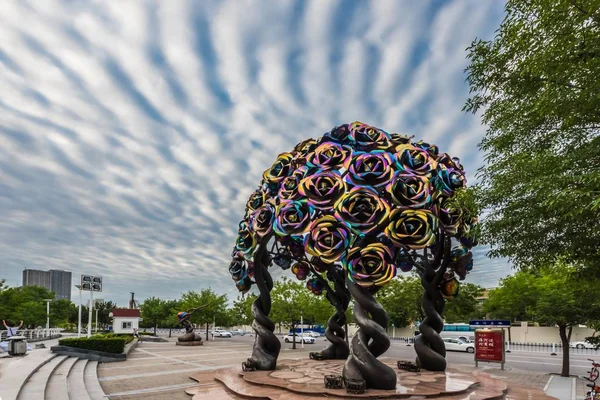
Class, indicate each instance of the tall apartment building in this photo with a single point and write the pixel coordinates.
(55, 280)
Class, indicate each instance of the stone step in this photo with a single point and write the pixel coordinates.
(76, 382)
(57, 389)
(92, 384)
(35, 386)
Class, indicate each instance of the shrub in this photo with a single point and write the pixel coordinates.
(114, 344)
(146, 333)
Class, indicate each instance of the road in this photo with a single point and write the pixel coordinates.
(533, 361)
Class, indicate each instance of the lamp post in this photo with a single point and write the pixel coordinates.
(301, 330)
(89, 328)
(79, 312)
(96, 327)
(47, 314)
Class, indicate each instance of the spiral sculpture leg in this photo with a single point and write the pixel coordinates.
(430, 348)
(338, 348)
(266, 345)
(370, 342)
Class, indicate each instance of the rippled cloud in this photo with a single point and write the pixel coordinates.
(132, 133)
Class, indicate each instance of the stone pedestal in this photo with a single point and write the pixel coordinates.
(304, 380)
(192, 343)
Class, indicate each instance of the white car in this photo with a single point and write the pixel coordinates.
(458, 345)
(299, 339)
(582, 345)
(312, 333)
(221, 334)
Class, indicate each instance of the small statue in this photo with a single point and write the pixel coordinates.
(190, 338)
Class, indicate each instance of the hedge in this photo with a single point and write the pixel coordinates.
(113, 344)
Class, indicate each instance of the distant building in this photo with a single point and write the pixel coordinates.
(125, 320)
(55, 280)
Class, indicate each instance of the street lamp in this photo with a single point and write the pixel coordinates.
(79, 313)
(47, 314)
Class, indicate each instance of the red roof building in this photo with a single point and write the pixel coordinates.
(126, 312)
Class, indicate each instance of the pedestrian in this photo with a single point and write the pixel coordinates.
(11, 330)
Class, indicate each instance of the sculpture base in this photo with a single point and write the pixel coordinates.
(192, 343)
(305, 379)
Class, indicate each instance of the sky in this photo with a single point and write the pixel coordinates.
(132, 133)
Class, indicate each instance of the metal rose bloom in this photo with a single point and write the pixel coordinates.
(280, 169)
(461, 261)
(261, 220)
(315, 285)
(450, 162)
(410, 228)
(371, 265)
(292, 218)
(301, 269)
(328, 155)
(283, 259)
(256, 200)
(245, 242)
(449, 216)
(409, 190)
(320, 265)
(322, 189)
(398, 138)
(362, 210)
(305, 147)
(414, 159)
(370, 169)
(449, 179)
(449, 286)
(339, 134)
(328, 239)
(432, 149)
(467, 232)
(366, 137)
(238, 268)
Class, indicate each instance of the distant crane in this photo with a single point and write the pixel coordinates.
(132, 302)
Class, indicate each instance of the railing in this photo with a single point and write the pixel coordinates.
(34, 334)
(549, 348)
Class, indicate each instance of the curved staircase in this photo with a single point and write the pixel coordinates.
(62, 378)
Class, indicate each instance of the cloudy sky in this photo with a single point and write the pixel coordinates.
(133, 132)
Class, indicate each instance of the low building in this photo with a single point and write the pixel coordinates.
(125, 320)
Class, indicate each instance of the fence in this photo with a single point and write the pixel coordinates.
(548, 348)
(34, 334)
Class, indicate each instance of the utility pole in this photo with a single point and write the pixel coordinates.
(79, 312)
(47, 314)
(89, 329)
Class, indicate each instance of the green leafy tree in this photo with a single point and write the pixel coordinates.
(242, 309)
(536, 84)
(553, 296)
(214, 307)
(292, 300)
(465, 307)
(154, 312)
(60, 311)
(514, 298)
(402, 299)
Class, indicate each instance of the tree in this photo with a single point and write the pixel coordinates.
(554, 296)
(154, 311)
(514, 298)
(292, 300)
(212, 309)
(242, 309)
(402, 299)
(60, 311)
(465, 306)
(537, 88)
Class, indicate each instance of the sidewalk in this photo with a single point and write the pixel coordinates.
(15, 370)
(570, 388)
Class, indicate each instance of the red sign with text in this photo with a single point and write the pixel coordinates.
(489, 346)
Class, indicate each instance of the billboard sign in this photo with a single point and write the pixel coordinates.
(489, 323)
(91, 283)
(489, 345)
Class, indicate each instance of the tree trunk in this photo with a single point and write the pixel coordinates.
(293, 336)
(170, 331)
(154, 329)
(207, 331)
(562, 329)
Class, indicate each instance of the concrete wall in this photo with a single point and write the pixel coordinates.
(545, 334)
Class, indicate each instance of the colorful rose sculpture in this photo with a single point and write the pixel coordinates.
(356, 181)
(359, 203)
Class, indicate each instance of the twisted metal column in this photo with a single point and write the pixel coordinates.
(336, 335)
(369, 342)
(266, 345)
(429, 345)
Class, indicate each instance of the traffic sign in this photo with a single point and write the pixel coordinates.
(490, 323)
(91, 283)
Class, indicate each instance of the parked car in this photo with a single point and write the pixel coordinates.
(312, 333)
(582, 345)
(299, 339)
(219, 333)
(453, 344)
(238, 332)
